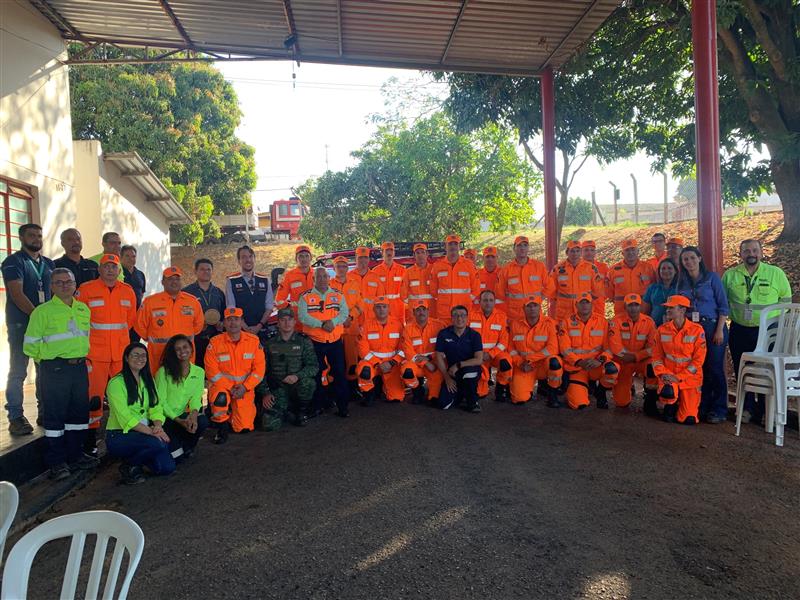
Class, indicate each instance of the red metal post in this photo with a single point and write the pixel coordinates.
(706, 103)
(549, 161)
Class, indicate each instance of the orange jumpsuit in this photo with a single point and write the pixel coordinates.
(230, 362)
(569, 282)
(600, 303)
(392, 280)
(536, 345)
(160, 317)
(578, 341)
(517, 282)
(494, 335)
(370, 285)
(379, 343)
(653, 262)
(418, 345)
(681, 352)
(113, 314)
(627, 336)
(351, 290)
(416, 286)
(294, 283)
(622, 280)
(488, 279)
(452, 285)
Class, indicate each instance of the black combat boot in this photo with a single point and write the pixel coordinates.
(368, 398)
(600, 397)
(650, 406)
(670, 412)
(501, 393)
(552, 397)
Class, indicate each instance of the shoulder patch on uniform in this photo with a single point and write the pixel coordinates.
(235, 274)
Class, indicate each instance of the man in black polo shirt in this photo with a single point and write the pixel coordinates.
(82, 268)
(26, 274)
(134, 278)
(459, 355)
(211, 298)
(250, 291)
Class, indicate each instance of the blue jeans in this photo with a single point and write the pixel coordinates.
(17, 371)
(714, 393)
(136, 449)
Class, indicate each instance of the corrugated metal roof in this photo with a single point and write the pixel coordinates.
(132, 167)
(495, 36)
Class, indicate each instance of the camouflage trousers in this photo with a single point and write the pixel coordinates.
(292, 399)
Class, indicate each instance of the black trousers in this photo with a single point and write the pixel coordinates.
(65, 409)
(181, 439)
(334, 353)
(744, 339)
(466, 388)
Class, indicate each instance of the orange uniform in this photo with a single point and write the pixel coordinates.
(418, 345)
(351, 290)
(579, 340)
(113, 314)
(416, 286)
(569, 282)
(371, 287)
(681, 352)
(294, 283)
(623, 280)
(228, 363)
(653, 262)
(517, 282)
(488, 279)
(600, 303)
(453, 285)
(392, 280)
(638, 338)
(160, 317)
(536, 345)
(494, 335)
(378, 343)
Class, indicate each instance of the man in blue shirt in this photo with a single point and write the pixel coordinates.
(26, 274)
(211, 298)
(459, 356)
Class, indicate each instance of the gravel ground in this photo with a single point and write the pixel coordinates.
(403, 501)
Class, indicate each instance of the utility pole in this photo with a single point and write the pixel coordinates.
(327, 168)
(635, 199)
(616, 197)
(666, 198)
(596, 212)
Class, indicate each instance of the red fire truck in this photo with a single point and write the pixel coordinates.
(285, 216)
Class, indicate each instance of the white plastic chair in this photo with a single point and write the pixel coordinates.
(105, 524)
(758, 380)
(790, 388)
(9, 501)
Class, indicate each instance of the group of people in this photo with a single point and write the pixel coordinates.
(441, 330)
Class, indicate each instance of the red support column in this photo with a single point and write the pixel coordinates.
(549, 161)
(706, 105)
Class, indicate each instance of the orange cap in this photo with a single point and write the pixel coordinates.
(415, 304)
(633, 299)
(533, 300)
(302, 248)
(629, 243)
(490, 251)
(362, 251)
(452, 239)
(419, 247)
(583, 296)
(380, 300)
(173, 271)
(340, 259)
(521, 238)
(233, 312)
(675, 240)
(573, 244)
(677, 300)
(471, 252)
(387, 246)
(588, 244)
(109, 258)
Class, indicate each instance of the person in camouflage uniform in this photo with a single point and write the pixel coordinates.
(291, 371)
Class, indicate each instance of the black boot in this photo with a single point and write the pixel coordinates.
(670, 412)
(90, 443)
(552, 397)
(501, 393)
(650, 406)
(369, 398)
(600, 396)
(418, 393)
(223, 429)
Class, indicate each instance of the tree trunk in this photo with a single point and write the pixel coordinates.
(786, 177)
(561, 215)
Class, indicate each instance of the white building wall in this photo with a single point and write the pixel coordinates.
(35, 125)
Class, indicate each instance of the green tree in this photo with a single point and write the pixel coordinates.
(579, 212)
(421, 181)
(181, 119)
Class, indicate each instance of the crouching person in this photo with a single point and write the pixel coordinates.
(135, 431)
(419, 344)
(583, 342)
(534, 352)
(678, 363)
(180, 385)
(381, 354)
(234, 367)
(290, 381)
(459, 356)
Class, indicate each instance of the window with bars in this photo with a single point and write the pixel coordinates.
(15, 210)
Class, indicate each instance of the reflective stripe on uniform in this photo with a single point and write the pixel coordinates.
(454, 291)
(677, 359)
(384, 354)
(53, 433)
(109, 326)
(158, 340)
(75, 426)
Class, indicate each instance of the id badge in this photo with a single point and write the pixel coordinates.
(748, 314)
(695, 316)
(41, 296)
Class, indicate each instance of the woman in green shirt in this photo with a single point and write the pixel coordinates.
(134, 431)
(180, 385)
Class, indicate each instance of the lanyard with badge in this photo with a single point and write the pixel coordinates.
(39, 270)
(695, 316)
(750, 284)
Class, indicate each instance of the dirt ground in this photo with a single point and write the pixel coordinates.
(404, 501)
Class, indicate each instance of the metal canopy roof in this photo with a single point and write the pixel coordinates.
(515, 37)
(131, 166)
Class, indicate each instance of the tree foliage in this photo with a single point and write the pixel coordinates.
(579, 212)
(181, 119)
(421, 181)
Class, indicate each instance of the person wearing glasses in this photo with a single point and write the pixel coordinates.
(135, 431)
